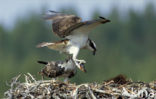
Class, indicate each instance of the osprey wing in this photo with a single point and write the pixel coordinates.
(86, 26)
(62, 22)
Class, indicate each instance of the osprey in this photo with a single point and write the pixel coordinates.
(56, 69)
(74, 32)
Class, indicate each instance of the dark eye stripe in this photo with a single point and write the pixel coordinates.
(92, 44)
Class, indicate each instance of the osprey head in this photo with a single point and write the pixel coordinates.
(82, 67)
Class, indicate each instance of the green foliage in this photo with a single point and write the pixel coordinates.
(124, 47)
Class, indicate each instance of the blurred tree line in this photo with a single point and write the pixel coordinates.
(125, 46)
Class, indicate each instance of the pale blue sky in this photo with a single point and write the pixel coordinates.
(10, 10)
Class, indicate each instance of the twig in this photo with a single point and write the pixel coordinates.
(31, 77)
(91, 92)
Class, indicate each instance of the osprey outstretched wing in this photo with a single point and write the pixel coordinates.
(65, 25)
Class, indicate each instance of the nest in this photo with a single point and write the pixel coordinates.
(116, 88)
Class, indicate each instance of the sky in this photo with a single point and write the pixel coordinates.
(11, 10)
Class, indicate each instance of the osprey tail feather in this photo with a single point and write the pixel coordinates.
(42, 62)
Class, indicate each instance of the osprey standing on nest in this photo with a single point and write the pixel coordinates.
(74, 31)
(65, 69)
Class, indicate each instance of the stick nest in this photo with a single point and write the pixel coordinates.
(115, 88)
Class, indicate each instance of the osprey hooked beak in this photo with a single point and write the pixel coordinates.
(82, 67)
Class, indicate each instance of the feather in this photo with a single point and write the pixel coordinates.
(42, 62)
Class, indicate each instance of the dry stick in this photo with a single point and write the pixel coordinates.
(100, 91)
(125, 93)
(14, 81)
(26, 79)
(31, 77)
(86, 85)
(91, 92)
(76, 90)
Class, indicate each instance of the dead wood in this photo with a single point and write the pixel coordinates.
(116, 88)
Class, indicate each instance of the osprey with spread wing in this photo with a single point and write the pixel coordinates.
(74, 32)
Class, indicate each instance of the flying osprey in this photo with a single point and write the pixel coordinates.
(74, 31)
(65, 69)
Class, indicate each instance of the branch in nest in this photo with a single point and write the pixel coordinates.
(110, 89)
